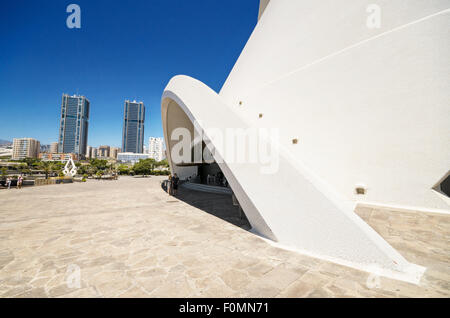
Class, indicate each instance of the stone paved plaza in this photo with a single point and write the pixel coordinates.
(129, 239)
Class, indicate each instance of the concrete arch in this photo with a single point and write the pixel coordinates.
(175, 114)
(293, 206)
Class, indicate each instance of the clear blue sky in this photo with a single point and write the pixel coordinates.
(124, 50)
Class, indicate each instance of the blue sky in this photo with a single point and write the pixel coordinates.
(124, 50)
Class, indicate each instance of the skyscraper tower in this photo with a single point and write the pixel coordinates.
(133, 127)
(73, 132)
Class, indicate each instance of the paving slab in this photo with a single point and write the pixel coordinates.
(128, 238)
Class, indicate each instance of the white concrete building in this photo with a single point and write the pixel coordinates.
(358, 93)
(155, 148)
(130, 157)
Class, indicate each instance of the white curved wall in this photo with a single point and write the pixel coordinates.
(178, 118)
(291, 206)
(369, 106)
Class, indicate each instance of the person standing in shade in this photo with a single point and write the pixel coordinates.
(175, 181)
(8, 182)
(169, 185)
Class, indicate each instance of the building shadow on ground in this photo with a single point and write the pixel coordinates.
(219, 205)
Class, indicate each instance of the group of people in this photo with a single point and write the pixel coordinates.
(219, 180)
(172, 184)
(19, 182)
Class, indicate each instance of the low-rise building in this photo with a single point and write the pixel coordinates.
(130, 157)
(62, 157)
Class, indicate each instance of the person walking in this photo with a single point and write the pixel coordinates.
(8, 182)
(175, 181)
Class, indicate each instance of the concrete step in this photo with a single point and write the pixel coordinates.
(206, 188)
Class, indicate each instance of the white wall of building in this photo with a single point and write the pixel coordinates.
(368, 106)
(130, 157)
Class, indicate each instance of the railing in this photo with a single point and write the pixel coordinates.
(56, 180)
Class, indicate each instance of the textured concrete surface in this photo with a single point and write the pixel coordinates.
(128, 238)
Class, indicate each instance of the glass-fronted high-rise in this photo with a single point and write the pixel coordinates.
(133, 127)
(73, 131)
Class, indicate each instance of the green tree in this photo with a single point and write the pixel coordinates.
(99, 164)
(144, 166)
(123, 169)
(48, 167)
(163, 163)
(82, 169)
(31, 162)
(4, 173)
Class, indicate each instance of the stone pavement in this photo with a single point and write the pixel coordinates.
(129, 239)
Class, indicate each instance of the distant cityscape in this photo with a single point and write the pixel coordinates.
(73, 137)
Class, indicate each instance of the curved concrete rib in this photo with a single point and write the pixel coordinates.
(292, 206)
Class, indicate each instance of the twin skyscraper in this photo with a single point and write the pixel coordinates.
(133, 127)
(74, 124)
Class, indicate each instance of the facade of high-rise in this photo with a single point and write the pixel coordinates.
(54, 147)
(114, 152)
(94, 153)
(73, 131)
(104, 151)
(89, 152)
(133, 127)
(155, 148)
(25, 148)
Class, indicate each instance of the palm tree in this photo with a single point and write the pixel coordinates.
(48, 167)
(45, 166)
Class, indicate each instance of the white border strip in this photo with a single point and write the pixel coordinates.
(400, 208)
(413, 274)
